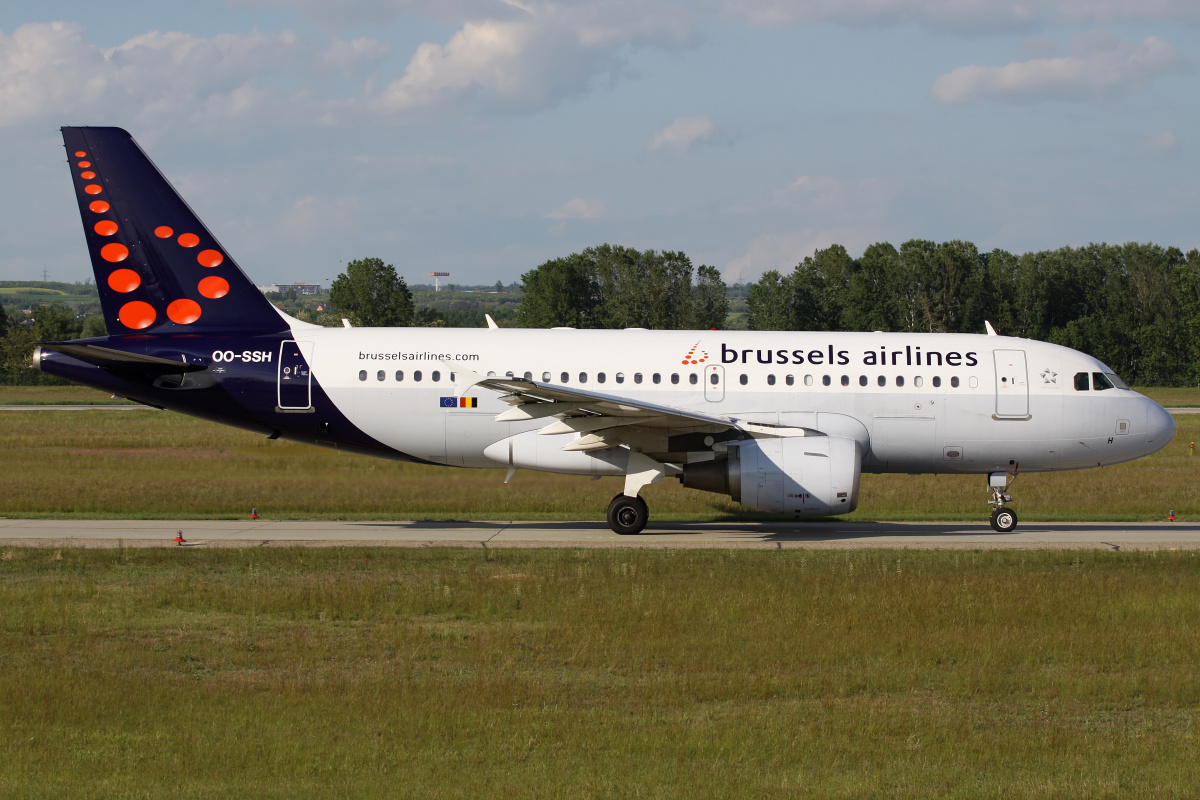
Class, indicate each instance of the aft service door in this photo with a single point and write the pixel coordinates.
(714, 383)
(295, 391)
(1012, 384)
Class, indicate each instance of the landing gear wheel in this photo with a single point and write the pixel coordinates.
(1004, 520)
(627, 515)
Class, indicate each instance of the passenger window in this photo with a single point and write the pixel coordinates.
(937, 381)
(417, 375)
(1100, 382)
(973, 382)
(545, 377)
(770, 380)
(583, 377)
(656, 378)
(743, 379)
(845, 380)
(436, 376)
(637, 377)
(362, 374)
(527, 376)
(564, 378)
(380, 376)
(918, 381)
(808, 380)
(826, 380)
(399, 374)
(693, 379)
(862, 380)
(899, 380)
(882, 381)
(620, 377)
(509, 374)
(714, 379)
(674, 377)
(790, 380)
(601, 377)
(954, 382)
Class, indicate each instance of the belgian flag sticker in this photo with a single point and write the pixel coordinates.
(459, 402)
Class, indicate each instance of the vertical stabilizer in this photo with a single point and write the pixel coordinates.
(158, 268)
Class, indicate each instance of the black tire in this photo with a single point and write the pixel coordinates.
(627, 515)
(1004, 520)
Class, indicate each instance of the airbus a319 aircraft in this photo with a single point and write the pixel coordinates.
(782, 422)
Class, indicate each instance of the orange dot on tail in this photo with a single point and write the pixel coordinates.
(185, 312)
(105, 227)
(92, 188)
(188, 239)
(87, 176)
(209, 258)
(137, 315)
(124, 280)
(80, 154)
(164, 232)
(98, 206)
(84, 164)
(114, 252)
(213, 287)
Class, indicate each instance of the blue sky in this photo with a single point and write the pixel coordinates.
(481, 138)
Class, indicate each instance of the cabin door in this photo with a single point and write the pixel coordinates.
(1012, 384)
(295, 391)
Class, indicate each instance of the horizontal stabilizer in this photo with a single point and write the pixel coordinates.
(120, 361)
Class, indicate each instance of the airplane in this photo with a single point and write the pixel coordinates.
(781, 422)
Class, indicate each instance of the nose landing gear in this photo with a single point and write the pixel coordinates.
(1003, 519)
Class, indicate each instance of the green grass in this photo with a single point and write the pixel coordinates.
(168, 466)
(55, 395)
(456, 673)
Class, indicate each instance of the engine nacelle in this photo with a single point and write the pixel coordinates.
(806, 476)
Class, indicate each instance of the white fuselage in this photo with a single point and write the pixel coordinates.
(917, 403)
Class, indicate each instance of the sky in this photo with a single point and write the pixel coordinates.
(482, 138)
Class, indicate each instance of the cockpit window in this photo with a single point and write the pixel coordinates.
(1100, 382)
(1117, 382)
(1081, 381)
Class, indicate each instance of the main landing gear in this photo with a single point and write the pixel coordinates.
(627, 515)
(1004, 519)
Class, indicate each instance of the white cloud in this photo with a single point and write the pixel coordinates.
(681, 134)
(579, 208)
(48, 69)
(1099, 66)
(549, 53)
(343, 55)
(1162, 144)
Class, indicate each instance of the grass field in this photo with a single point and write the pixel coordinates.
(159, 465)
(455, 673)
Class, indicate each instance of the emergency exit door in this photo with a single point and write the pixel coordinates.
(714, 383)
(295, 389)
(1012, 384)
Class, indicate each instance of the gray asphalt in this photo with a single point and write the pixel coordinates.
(920, 535)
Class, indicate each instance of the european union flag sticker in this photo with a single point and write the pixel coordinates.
(449, 402)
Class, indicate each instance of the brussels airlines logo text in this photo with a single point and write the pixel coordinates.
(909, 356)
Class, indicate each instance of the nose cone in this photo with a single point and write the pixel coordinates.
(1160, 427)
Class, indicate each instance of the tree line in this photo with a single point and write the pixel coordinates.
(1134, 306)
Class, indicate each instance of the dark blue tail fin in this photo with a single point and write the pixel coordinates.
(158, 269)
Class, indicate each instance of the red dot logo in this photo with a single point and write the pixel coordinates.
(163, 232)
(213, 287)
(114, 252)
(209, 258)
(98, 206)
(188, 239)
(84, 164)
(137, 315)
(124, 280)
(105, 227)
(87, 176)
(92, 188)
(184, 312)
(80, 154)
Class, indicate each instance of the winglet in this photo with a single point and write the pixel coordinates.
(990, 330)
(491, 322)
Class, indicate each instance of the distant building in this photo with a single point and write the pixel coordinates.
(298, 287)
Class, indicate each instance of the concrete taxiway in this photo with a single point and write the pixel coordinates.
(922, 535)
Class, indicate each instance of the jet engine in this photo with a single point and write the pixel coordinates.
(805, 476)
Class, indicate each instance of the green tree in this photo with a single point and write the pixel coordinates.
(770, 303)
(370, 294)
(710, 304)
(559, 293)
